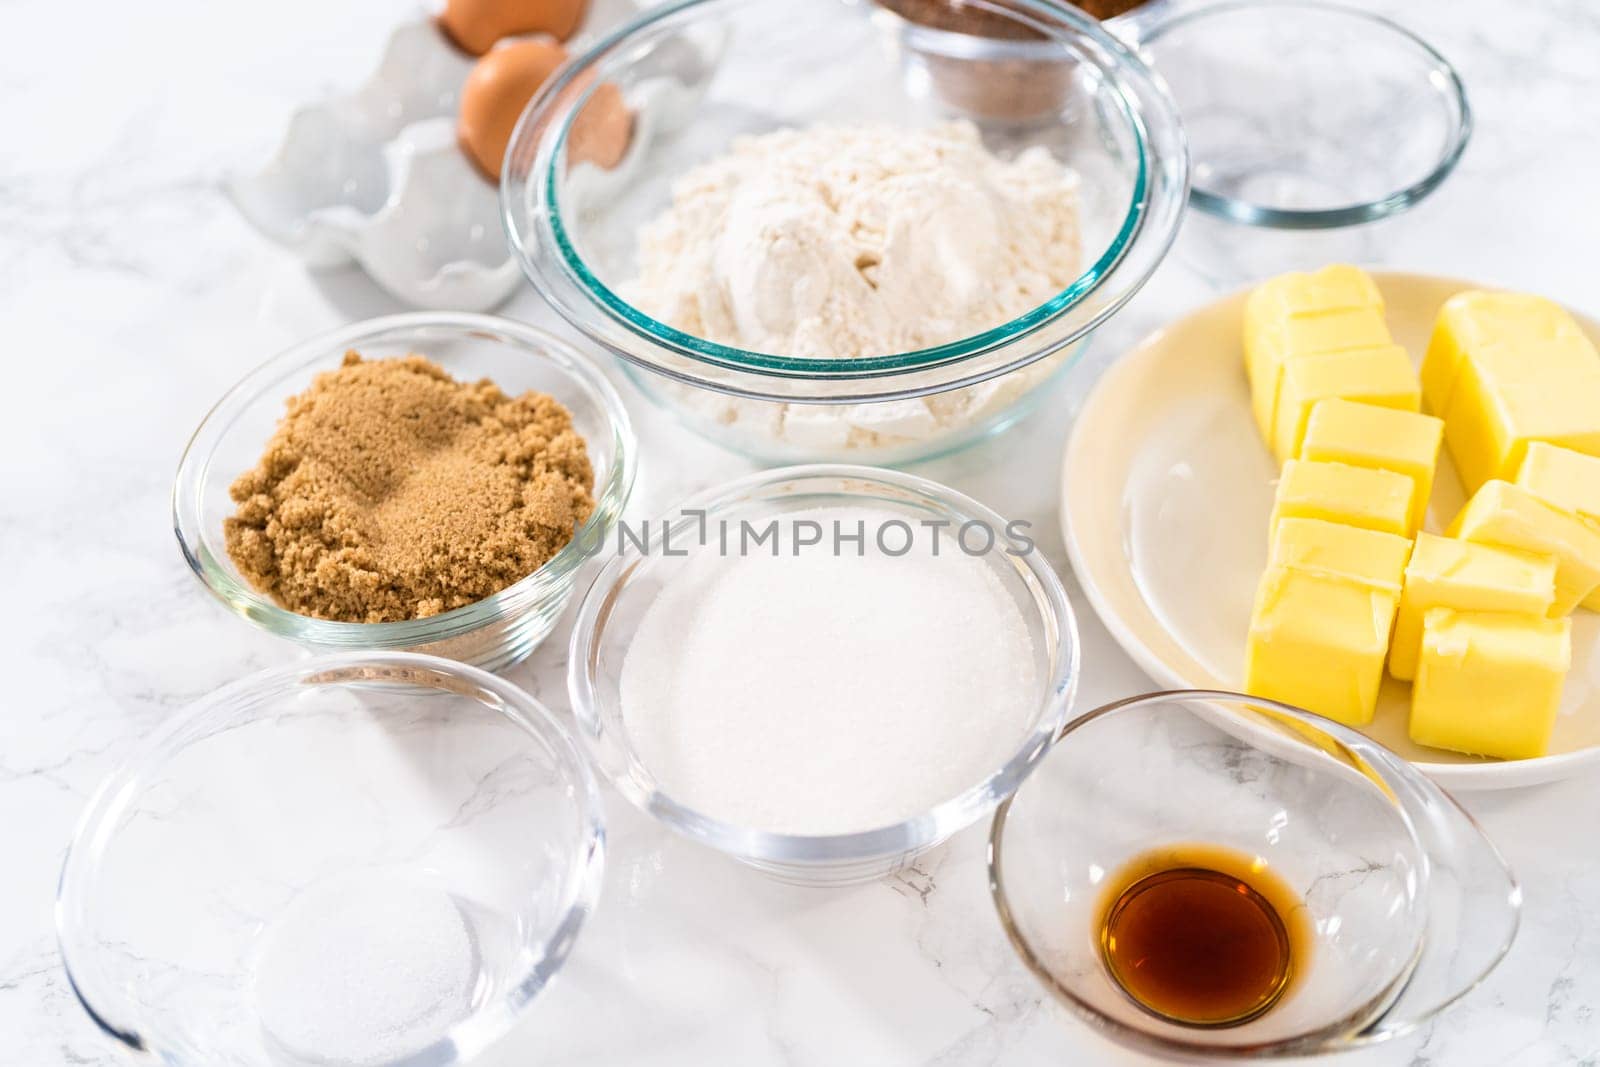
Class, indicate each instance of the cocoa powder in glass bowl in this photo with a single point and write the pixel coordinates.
(987, 59)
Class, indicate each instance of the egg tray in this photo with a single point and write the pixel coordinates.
(375, 178)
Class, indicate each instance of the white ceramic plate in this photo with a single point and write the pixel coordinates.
(1166, 491)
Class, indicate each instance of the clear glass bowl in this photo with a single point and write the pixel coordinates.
(698, 73)
(1410, 906)
(1307, 115)
(356, 859)
(622, 593)
(494, 632)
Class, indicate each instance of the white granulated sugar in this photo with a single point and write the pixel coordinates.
(837, 242)
(365, 973)
(825, 694)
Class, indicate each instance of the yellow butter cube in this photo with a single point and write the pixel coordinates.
(1474, 320)
(1335, 550)
(1489, 684)
(1281, 341)
(1337, 287)
(1338, 492)
(1447, 573)
(1506, 398)
(1365, 435)
(1509, 516)
(1567, 479)
(1381, 376)
(1318, 642)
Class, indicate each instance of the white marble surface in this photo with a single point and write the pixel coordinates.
(132, 295)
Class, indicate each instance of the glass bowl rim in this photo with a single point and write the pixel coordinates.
(581, 888)
(545, 225)
(551, 580)
(1249, 213)
(1367, 756)
(918, 831)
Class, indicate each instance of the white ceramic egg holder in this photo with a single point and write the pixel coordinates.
(376, 178)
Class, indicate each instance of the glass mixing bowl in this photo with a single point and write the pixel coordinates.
(1307, 115)
(498, 630)
(1409, 905)
(699, 73)
(614, 607)
(360, 858)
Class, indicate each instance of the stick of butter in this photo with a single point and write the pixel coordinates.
(1338, 492)
(1509, 516)
(1318, 642)
(1488, 683)
(1471, 321)
(1568, 480)
(1364, 435)
(1446, 573)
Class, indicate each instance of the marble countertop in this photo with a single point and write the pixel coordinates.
(132, 296)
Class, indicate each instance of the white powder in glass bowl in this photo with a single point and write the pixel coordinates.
(825, 693)
(839, 242)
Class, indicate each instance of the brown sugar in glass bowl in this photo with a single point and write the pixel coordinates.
(390, 491)
(495, 627)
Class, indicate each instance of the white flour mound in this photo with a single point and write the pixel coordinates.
(838, 242)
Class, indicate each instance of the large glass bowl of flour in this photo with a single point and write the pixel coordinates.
(823, 670)
(821, 244)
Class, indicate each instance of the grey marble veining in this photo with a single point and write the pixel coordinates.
(132, 296)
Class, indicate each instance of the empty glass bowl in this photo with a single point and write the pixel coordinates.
(1409, 905)
(1307, 115)
(498, 630)
(700, 73)
(356, 859)
(622, 593)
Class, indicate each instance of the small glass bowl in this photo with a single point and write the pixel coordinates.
(498, 630)
(1410, 906)
(1306, 115)
(693, 73)
(622, 593)
(358, 858)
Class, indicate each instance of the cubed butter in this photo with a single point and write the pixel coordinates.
(1569, 480)
(1318, 642)
(1337, 287)
(1338, 492)
(1335, 550)
(1447, 573)
(1504, 399)
(1281, 341)
(1475, 320)
(1509, 516)
(1380, 376)
(1489, 684)
(1365, 435)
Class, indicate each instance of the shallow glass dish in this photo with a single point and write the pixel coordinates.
(614, 607)
(359, 858)
(494, 632)
(1307, 115)
(699, 73)
(1409, 905)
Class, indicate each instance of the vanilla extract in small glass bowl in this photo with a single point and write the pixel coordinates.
(808, 710)
(1368, 899)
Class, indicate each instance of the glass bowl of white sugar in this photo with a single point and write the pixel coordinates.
(810, 251)
(823, 671)
(363, 858)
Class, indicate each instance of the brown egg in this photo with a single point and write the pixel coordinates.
(499, 87)
(602, 130)
(476, 25)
